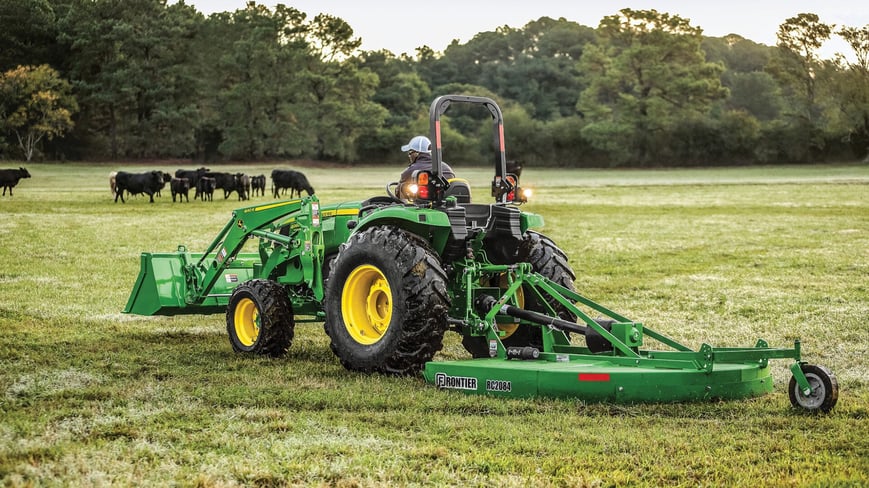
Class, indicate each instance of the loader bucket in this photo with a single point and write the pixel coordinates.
(162, 285)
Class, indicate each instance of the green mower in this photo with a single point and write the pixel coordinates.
(388, 277)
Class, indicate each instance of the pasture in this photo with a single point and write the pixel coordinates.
(92, 397)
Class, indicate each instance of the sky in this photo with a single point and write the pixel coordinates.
(401, 26)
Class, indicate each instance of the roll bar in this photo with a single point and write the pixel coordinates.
(500, 186)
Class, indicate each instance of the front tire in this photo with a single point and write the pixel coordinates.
(386, 302)
(259, 318)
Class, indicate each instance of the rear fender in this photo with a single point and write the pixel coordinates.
(530, 220)
(431, 225)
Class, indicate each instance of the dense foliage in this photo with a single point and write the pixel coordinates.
(151, 79)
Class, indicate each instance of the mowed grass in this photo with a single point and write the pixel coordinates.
(92, 397)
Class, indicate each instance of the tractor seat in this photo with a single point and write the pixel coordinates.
(459, 188)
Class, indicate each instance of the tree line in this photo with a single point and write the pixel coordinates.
(144, 79)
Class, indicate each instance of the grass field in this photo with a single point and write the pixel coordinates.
(92, 397)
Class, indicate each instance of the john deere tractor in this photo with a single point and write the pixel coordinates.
(388, 277)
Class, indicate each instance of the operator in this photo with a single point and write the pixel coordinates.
(419, 153)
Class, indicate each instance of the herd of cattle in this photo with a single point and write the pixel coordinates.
(204, 183)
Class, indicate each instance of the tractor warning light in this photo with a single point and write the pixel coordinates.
(422, 185)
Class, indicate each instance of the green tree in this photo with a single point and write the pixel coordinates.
(738, 54)
(27, 32)
(806, 81)
(534, 65)
(406, 97)
(132, 71)
(288, 86)
(752, 89)
(401, 90)
(858, 40)
(852, 90)
(797, 62)
(35, 103)
(262, 55)
(337, 99)
(755, 93)
(647, 73)
(541, 72)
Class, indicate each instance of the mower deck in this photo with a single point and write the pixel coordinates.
(599, 380)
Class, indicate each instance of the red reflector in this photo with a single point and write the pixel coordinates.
(500, 136)
(594, 377)
(423, 192)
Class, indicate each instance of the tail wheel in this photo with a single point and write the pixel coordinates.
(259, 318)
(825, 389)
(548, 260)
(386, 302)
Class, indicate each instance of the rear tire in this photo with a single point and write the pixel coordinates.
(386, 302)
(548, 260)
(259, 318)
(825, 389)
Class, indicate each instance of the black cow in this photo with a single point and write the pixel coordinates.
(192, 177)
(223, 181)
(180, 187)
(205, 188)
(135, 183)
(242, 186)
(234, 183)
(10, 177)
(219, 178)
(229, 183)
(296, 181)
(166, 178)
(258, 184)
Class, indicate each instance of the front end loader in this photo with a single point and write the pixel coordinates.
(388, 277)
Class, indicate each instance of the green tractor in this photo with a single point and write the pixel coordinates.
(388, 277)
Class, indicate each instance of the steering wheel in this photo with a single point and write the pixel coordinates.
(380, 201)
(390, 192)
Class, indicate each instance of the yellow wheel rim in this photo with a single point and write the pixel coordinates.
(246, 320)
(366, 304)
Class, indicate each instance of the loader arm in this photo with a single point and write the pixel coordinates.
(303, 243)
(291, 251)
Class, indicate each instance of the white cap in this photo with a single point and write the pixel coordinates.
(420, 144)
